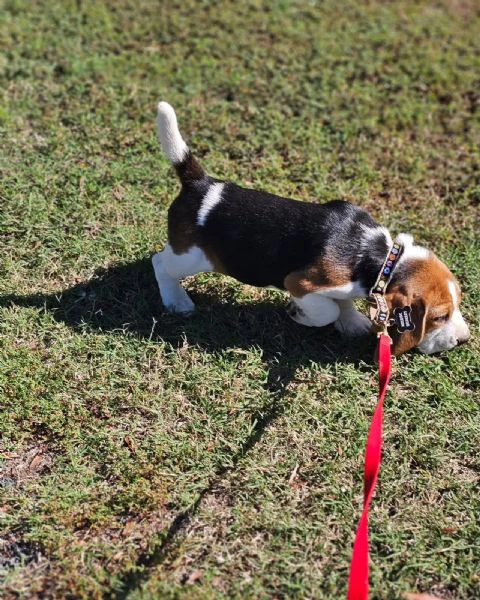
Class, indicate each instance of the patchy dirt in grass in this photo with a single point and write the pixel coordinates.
(20, 467)
(14, 552)
(465, 9)
(43, 574)
(464, 472)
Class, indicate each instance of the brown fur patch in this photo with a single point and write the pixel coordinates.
(183, 233)
(326, 272)
(182, 229)
(402, 342)
(430, 281)
(189, 169)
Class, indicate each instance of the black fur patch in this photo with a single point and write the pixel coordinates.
(260, 238)
(189, 169)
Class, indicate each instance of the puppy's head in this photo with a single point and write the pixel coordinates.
(426, 285)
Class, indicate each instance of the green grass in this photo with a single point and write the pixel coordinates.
(144, 456)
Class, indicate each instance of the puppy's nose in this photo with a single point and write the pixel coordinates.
(463, 337)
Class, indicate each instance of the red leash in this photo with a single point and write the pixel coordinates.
(358, 581)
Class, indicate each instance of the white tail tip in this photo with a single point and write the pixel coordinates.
(172, 142)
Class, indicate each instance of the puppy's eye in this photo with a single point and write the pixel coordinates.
(441, 319)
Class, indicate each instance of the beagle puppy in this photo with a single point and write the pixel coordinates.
(323, 255)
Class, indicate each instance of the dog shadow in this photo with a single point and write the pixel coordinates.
(124, 299)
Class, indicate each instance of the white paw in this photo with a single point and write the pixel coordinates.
(353, 323)
(180, 303)
(174, 297)
(297, 314)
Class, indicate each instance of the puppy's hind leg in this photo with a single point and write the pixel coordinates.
(170, 268)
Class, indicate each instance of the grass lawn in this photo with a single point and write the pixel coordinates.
(145, 456)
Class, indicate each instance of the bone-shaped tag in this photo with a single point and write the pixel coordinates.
(403, 319)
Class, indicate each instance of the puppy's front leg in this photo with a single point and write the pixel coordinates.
(351, 322)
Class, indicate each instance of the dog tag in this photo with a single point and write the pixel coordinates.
(403, 319)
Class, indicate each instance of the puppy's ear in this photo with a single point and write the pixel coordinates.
(402, 342)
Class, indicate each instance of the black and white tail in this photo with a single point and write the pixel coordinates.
(175, 148)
